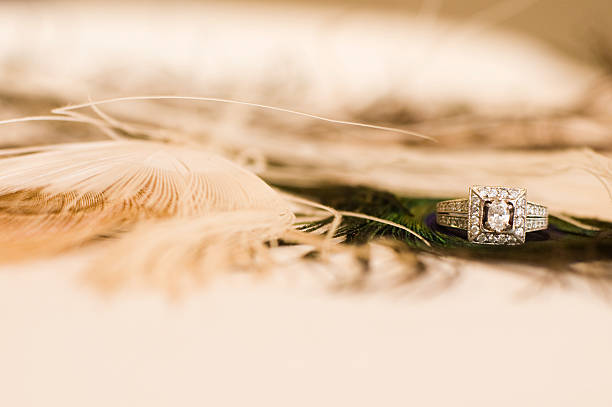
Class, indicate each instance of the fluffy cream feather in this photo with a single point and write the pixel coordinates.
(69, 194)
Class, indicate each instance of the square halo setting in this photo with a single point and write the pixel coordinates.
(497, 215)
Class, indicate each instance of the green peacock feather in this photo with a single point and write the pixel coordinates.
(560, 246)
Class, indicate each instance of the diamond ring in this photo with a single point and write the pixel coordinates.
(493, 215)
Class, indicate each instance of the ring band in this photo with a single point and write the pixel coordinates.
(493, 215)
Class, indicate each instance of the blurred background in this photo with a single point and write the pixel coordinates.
(318, 50)
(405, 63)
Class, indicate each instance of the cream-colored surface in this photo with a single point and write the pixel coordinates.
(491, 339)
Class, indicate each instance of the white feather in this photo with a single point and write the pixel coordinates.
(72, 193)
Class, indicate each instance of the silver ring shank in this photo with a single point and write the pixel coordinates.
(454, 213)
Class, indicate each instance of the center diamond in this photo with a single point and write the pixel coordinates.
(498, 215)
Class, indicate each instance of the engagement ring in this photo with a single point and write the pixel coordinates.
(493, 215)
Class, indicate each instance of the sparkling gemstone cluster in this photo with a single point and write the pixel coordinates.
(534, 224)
(535, 210)
(460, 205)
(452, 221)
(497, 215)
